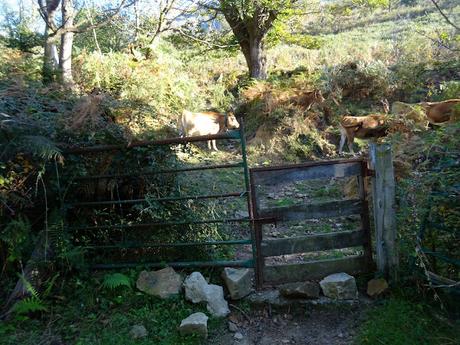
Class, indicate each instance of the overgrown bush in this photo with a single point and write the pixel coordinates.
(428, 209)
(359, 81)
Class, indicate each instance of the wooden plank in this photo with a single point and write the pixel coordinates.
(383, 195)
(314, 269)
(309, 211)
(299, 173)
(304, 244)
(365, 222)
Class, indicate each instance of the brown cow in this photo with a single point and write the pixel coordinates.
(363, 127)
(307, 98)
(439, 112)
(206, 123)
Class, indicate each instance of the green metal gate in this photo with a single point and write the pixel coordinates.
(114, 231)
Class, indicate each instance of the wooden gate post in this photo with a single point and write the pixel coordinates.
(383, 198)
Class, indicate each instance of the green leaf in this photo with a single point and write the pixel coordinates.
(29, 305)
(115, 280)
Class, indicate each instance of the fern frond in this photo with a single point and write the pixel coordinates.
(30, 289)
(115, 280)
(41, 146)
(29, 305)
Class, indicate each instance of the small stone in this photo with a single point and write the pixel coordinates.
(198, 290)
(196, 323)
(238, 336)
(308, 290)
(339, 286)
(242, 214)
(232, 327)
(195, 287)
(217, 305)
(163, 283)
(238, 282)
(340, 335)
(376, 287)
(138, 331)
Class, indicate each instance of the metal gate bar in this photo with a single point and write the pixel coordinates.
(238, 135)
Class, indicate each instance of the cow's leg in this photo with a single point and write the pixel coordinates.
(214, 146)
(343, 137)
(351, 140)
(209, 144)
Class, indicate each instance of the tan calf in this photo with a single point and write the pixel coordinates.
(363, 127)
(206, 123)
(439, 112)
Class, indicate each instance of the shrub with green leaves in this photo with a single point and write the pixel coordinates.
(359, 80)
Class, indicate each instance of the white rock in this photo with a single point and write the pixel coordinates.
(232, 327)
(195, 287)
(138, 331)
(238, 282)
(238, 336)
(198, 290)
(195, 324)
(163, 283)
(217, 305)
(339, 286)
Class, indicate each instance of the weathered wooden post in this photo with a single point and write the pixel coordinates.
(383, 198)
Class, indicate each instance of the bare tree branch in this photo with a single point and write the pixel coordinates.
(197, 39)
(445, 16)
(85, 26)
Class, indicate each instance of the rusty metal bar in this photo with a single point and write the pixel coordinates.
(159, 245)
(138, 201)
(206, 167)
(184, 140)
(257, 234)
(223, 263)
(306, 165)
(148, 225)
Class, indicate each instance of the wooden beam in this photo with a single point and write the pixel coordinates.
(309, 211)
(304, 244)
(293, 173)
(313, 270)
(383, 196)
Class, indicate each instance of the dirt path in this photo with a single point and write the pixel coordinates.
(328, 326)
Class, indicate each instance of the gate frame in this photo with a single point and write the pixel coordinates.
(259, 221)
(231, 134)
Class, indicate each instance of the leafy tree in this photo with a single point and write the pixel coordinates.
(250, 21)
(66, 31)
(18, 27)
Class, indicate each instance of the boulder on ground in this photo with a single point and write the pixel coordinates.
(196, 323)
(195, 287)
(217, 305)
(339, 286)
(138, 331)
(162, 283)
(238, 281)
(198, 290)
(309, 290)
(376, 287)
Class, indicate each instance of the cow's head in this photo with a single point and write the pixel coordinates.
(232, 122)
(319, 96)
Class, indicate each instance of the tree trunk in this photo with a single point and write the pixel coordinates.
(254, 53)
(65, 54)
(258, 60)
(250, 34)
(50, 59)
